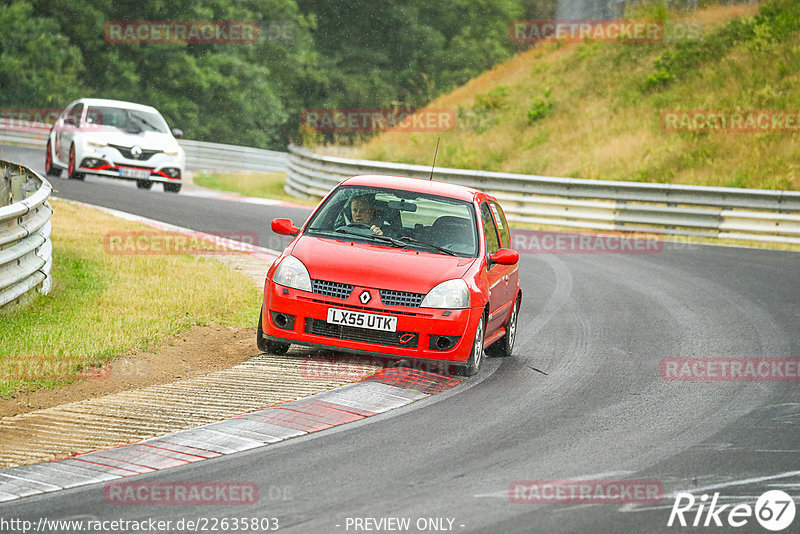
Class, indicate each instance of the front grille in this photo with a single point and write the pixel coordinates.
(319, 327)
(331, 289)
(126, 152)
(401, 298)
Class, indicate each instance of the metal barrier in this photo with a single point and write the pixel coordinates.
(26, 253)
(751, 214)
(218, 157)
(199, 154)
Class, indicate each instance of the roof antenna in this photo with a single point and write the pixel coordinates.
(434, 157)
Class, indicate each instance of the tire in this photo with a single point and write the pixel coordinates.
(49, 168)
(268, 345)
(71, 174)
(473, 365)
(172, 188)
(144, 184)
(505, 345)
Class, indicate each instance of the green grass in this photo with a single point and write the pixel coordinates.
(262, 185)
(593, 109)
(104, 305)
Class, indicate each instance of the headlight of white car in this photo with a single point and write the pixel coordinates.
(292, 273)
(91, 144)
(449, 294)
(174, 151)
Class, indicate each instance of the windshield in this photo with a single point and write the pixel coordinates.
(398, 218)
(129, 120)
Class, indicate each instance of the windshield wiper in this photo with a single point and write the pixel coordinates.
(138, 118)
(384, 238)
(407, 239)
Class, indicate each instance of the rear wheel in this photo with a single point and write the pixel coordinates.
(172, 188)
(144, 184)
(476, 356)
(268, 345)
(71, 169)
(49, 169)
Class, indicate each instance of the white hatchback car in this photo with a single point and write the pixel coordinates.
(117, 139)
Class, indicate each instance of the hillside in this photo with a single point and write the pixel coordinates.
(594, 109)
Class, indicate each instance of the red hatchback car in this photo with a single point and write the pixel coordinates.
(399, 267)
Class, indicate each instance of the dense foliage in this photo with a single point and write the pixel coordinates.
(309, 54)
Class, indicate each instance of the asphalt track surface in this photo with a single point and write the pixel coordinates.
(581, 399)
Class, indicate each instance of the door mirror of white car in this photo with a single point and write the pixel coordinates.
(177, 133)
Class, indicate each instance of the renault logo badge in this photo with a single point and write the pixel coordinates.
(364, 297)
(136, 151)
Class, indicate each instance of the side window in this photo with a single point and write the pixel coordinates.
(75, 114)
(502, 225)
(489, 229)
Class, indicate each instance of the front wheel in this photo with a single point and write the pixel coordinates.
(144, 184)
(172, 188)
(505, 345)
(268, 345)
(71, 173)
(49, 168)
(473, 365)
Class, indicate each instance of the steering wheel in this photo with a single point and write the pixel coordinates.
(360, 225)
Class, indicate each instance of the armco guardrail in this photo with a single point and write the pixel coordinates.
(218, 157)
(26, 253)
(752, 214)
(199, 154)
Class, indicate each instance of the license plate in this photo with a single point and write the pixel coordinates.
(387, 323)
(127, 172)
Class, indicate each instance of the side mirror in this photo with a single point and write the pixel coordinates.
(69, 119)
(505, 256)
(177, 133)
(284, 227)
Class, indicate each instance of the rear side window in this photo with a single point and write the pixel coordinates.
(489, 229)
(502, 225)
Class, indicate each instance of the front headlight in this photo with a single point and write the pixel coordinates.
(292, 273)
(175, 151)
(449, 294)
(91, 144)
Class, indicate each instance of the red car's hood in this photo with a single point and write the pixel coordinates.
(377, 266)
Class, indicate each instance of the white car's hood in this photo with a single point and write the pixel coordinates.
(147, 140)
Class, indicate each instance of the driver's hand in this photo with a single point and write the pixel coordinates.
(377, 230)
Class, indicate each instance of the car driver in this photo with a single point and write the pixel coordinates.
(363, 211)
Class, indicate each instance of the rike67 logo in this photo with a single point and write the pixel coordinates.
(774, 510)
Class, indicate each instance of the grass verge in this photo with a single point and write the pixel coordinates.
(261, 185)
(103, 305)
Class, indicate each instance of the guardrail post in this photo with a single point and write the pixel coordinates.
(17, 180)
(5, 187)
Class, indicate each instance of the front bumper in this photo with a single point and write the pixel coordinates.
(111, 162)
(416, 327)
